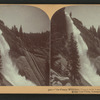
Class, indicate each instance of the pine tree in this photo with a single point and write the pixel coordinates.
(12, 28)
(70, 14)
(47, 71)
(20, 29)
(21, 32)
(98, 32)
(93, 30)
(73, 59)
(15, 30)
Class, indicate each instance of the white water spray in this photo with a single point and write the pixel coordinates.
(9, 70)
(88, 71)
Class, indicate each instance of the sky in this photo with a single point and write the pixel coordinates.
(31, 18)
(89, 15)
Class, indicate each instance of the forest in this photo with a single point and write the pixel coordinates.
(32, 49)
(32, 42)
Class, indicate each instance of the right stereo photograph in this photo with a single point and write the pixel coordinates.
(75, 46)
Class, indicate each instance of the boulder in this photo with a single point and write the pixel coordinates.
(58, 83)
(68, 84)
(57, 80)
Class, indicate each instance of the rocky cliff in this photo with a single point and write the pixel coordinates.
(31, 65)
(92, 39)
(61, 51)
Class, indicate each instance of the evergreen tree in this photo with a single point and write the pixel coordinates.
(98, 32)
(15, 30)
(21, 32)
(93, 30)
(73, 59)
(20, 29)
(12, 28)
(70, 14)
(47, 71)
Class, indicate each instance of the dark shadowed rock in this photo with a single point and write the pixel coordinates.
(97, 64)
(3, 81)
(57, 80)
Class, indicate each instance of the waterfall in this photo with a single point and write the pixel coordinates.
(87, 69)
(9, 69)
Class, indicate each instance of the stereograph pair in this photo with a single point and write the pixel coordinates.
(38, 51)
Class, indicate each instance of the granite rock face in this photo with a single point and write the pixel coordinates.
(32, 66)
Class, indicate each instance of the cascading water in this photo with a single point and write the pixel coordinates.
(87, 70)
(9, 70)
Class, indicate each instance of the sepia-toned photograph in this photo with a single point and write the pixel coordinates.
(49, 51)
(75, 46)
(24, 46)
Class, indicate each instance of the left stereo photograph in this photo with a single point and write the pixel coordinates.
(24, 46)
